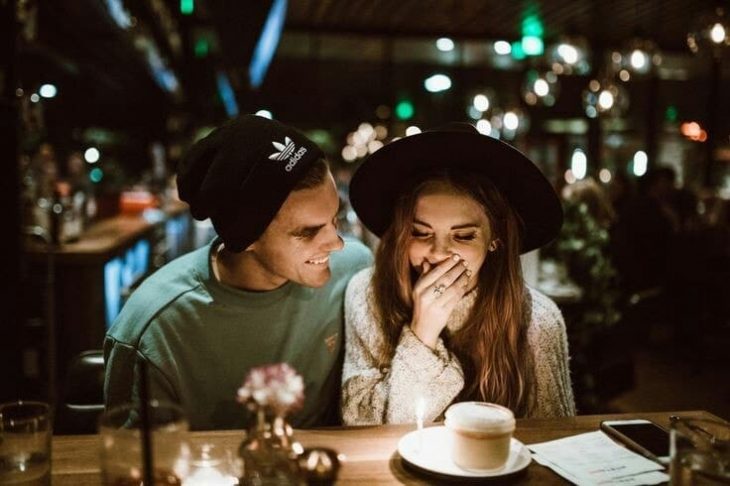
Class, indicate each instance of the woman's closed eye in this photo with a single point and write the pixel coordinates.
(419, 234)
(465, 236)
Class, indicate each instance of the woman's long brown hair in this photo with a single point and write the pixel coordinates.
(491, 345)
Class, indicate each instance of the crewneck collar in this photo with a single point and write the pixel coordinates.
(231, 296)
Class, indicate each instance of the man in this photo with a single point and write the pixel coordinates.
(268, 289)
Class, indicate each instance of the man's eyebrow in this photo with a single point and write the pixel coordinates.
(305, 230)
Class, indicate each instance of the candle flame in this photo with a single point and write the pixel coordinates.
(420, 409)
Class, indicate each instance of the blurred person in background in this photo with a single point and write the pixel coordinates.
(645, 231)
(445, 314)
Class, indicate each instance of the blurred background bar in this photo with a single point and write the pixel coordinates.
(623, 105)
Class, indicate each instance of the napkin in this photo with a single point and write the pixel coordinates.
(594, 458)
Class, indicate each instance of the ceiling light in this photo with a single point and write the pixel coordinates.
(710, 31)
(445, 44)
(570, 55)
(484, 127)
(540, 88)
(605, 98)
(640, 163)
(605, 176)
(481, 102)
(579, 164)
(437, 83)
(48, 91)
(91, 155)
(511, 121)
(502, 47)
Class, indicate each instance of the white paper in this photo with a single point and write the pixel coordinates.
(594, 459)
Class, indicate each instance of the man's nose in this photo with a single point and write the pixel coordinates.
(334, 241)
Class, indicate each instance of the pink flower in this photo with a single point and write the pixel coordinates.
(278, 386)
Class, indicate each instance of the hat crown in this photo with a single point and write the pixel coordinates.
(241, 173)
(455, 127)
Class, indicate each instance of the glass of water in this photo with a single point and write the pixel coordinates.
(120, 431)
(25, 443)
(700, 452)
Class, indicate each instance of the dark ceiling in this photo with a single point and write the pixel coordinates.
(79, 44)
(608, 23)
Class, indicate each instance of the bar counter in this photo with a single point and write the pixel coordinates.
(91, 278)
(371, 452)
(105, 238)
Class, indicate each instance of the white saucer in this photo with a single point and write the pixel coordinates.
(435, 456)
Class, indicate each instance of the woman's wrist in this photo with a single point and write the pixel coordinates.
(424, 335)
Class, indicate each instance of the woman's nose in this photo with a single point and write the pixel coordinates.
(439, 250)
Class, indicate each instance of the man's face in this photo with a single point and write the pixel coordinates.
(297, 243)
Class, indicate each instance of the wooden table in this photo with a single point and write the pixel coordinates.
(370, 451)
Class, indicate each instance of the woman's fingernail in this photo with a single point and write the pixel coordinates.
(456, 257)
(466, 264)
(468, 273)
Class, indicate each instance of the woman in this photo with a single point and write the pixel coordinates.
(444, 315)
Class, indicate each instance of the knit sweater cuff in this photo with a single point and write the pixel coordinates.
(418, 356)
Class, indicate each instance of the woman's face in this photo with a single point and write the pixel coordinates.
(448, 222)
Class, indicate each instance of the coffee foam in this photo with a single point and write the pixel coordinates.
(480, 417)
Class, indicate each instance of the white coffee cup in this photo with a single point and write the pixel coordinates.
(480, 434)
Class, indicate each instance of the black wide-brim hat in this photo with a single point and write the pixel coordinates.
(384, 175)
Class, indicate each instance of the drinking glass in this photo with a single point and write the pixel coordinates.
(25, 443)
(700, 452)
(120, 430)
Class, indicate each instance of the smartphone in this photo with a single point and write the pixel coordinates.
(642, 436)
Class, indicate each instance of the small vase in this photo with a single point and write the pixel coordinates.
(267, 451)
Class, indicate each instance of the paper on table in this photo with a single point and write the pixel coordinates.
(593, 458)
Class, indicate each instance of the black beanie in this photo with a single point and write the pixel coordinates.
(241, 174)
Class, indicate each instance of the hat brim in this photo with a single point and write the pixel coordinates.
(379, 181)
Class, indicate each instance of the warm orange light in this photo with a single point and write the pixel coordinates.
(690, 129)
(693, 131)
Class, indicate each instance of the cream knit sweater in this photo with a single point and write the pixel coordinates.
(376, 392)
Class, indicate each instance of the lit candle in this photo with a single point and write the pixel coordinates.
(209, 468)
(420, 412)
(209, 476)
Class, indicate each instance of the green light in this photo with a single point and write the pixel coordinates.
(187, 7)
(532, 46)
(404, 110)
(96, 175)
(518, 53)
(532, 30)
(671, 114)
(532, 26)
(202, 47)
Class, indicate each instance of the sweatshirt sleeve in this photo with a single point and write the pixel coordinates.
(380, 390)
(122, 376)
(548, 339)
